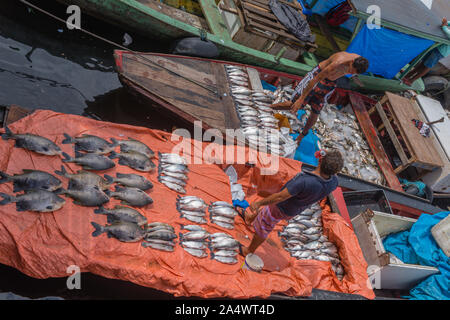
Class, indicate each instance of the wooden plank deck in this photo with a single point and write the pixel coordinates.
(374, 142)
(194, 89)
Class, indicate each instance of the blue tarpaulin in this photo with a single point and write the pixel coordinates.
(388, 51)
(417, 246)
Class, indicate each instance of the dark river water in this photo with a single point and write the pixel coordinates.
(43, 65)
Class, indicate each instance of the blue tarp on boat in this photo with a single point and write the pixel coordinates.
(417, 246)
(388, 51)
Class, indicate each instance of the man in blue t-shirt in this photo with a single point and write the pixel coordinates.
(298, 194)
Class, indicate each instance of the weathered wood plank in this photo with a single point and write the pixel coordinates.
(392, 135)
(374, 142)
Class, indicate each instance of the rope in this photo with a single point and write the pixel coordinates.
(117, 45)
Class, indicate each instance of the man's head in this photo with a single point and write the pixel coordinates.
(360, 65)
(332, 163)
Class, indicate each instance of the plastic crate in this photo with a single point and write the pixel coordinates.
(360, 201)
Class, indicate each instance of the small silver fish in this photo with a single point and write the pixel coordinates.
(196, 219)
(161, 235)
(173, 186)
(173, 180)
(158, 246)
(224, 259)
(196, 252)
(194, 236)
(191, 227)
(193, 245)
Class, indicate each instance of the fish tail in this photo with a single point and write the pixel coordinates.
(212, 255)
(67, 158)
(68, 139)
(108, 193)
(181, 237)
(109, 179)
(4, 177)
(8, 134)
(63, 171)
(98, 229)
(100, 210)
(6, 199)
(113, 155)
(59, 191)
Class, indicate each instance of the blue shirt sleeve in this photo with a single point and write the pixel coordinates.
(296, 185)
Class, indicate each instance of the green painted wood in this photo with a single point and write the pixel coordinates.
(135, 15)
(310, 59)
(418, 60)
(214, 18)
(357, 28)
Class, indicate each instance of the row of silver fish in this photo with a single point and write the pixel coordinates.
(222, 214)
(303, 238)
(160, 236)
(223, 248)
(195, 242)
(192, 208)
(172, 171)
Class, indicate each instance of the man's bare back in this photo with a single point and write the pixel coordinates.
(338, 65)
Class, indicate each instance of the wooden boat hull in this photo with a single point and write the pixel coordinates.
(153, 23)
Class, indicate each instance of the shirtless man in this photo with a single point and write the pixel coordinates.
(318, 85)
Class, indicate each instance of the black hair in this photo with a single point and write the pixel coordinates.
(332, 163)
(361, 65)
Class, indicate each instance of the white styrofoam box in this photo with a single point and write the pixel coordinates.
(385, 273)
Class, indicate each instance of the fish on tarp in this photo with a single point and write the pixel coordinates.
(131, 196)
(166, 246)
(130, 180)
(82, 178)
(191, 227)
(193, 218)
(194, 236)
(121, 213)
(31, 180)
(193, 244)
(173, 186)
(90, 161)
(173, 180)
(90, 143)
(161, 235)
(122, 231)
(218, 218)
(223, 211)
(193, 205)
(224, 259)
(177, 175)
(32, 142)
(89, 196)
(134, 160)
(170, 167)
(224, 253)
(224, 243)
(222, 224)
(157, 224)
(216, 235)
(196, 252)
(133, 145)
(171, 158)
(34, 200)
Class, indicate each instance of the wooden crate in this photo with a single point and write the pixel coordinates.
(413, 149)
(370, 228)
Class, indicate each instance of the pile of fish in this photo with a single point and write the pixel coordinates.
(194, 241)
(224, 248)
(303, 238)
(38, 187)
(338, 129)
(192, 208)
(258, 124)
(160, 236)
(222, 213)
(172, 171)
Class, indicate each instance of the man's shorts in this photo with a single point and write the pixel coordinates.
(432, 58)
(267, 219)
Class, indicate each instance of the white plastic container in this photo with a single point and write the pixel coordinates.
(441, 233)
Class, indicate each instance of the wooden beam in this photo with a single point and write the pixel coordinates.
(392, 134)
(326, 32)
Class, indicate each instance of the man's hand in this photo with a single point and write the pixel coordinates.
(254, 207)
(444, 22)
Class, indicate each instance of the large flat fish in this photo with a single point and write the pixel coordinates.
(35, 200)
(31, 180)
(32, 142)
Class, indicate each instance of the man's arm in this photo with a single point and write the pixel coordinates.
(445, 27)
(272, 199)
(312, 119)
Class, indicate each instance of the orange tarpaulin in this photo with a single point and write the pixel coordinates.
(44, 245)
